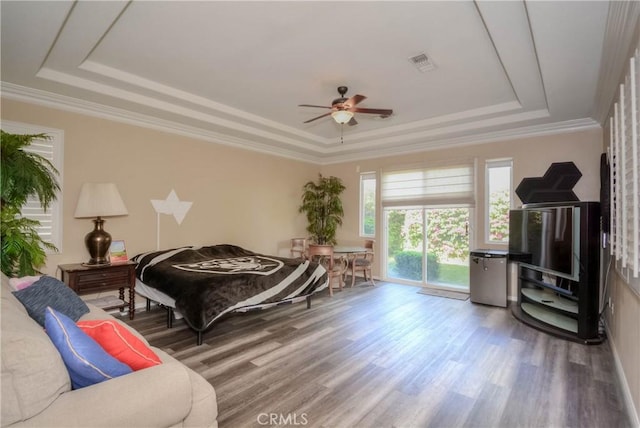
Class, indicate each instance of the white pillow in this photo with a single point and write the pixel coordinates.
(24, 282)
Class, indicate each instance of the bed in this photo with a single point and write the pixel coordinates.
(204, 283)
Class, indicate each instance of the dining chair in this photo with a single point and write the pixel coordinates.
(362, 262)
(335, 267)
(299, 248)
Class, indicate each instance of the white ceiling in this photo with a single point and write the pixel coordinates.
(235, 72)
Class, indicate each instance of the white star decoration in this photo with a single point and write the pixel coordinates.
(172, 205)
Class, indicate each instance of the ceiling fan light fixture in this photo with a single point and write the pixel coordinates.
(342, 116)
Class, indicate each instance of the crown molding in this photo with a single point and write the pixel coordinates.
(186, 97)
(442, 132)
(623, 26)
(74, 105)
(323, 156)
(166, 106)
(569, 126)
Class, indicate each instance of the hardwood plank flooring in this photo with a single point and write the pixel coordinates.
(386, 356)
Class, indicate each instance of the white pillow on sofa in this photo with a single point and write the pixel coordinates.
(23, 282)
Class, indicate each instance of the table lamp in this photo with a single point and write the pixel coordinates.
(99, 200)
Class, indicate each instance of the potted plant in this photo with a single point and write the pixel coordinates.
(23, 174)
(322, 204)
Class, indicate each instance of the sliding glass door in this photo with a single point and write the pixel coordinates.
(427, 211)
(428, 246)
(405, 244)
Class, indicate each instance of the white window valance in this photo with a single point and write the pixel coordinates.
(451, 184)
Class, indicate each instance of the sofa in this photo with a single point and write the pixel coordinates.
(37, 390)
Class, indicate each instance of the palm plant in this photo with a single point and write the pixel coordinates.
(322, 204)
(23, 174)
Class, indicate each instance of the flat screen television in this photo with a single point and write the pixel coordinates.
(547, 239)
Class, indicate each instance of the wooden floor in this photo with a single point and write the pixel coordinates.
(386, 356)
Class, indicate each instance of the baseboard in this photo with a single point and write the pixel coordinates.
(626, 392)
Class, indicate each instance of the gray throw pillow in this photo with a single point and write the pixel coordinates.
(49, 291)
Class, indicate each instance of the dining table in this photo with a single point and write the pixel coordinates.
(348, 252)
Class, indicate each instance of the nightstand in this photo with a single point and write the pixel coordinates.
(85, 279)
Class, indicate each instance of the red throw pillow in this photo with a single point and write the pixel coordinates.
(120, 343)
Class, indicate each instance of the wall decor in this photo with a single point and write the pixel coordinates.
(118, 252)
(172, 205)
(556, 185)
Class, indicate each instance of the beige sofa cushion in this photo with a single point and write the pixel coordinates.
(159, 396)
(33, 374)
(5, 294)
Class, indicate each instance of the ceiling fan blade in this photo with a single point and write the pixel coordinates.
(311, 105)
(381, 112)
(352, 122)
(351, 102)
(316, 118)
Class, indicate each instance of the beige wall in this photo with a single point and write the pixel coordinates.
(623, 328)
(239, 196)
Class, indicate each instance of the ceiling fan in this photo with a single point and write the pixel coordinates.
(342, 109)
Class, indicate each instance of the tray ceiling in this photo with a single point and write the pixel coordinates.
(235, 72)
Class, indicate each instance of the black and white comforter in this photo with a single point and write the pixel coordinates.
(208, 282)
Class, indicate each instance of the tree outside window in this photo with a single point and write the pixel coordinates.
(368, 204)
(498, 189)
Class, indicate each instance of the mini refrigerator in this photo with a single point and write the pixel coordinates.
(488, 277)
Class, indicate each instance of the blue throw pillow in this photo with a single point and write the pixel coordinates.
(86, 361)
(49, 291)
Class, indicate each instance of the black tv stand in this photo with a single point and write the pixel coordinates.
(565, 308)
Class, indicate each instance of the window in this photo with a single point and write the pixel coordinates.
(427, 218)
(498, 200)
(624, 159)
(50, 229)
(368, 204)
(430, 185)
(428, 245)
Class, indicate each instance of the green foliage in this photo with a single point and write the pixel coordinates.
(369, 208)
(416, 236)
(454, 274)
(409, 265)
(22, 247)
(369, 226)
(395, 222)
(322, 204)
(447, 233)
(23, 175)
(433, 267)
(446, 237)
(499, 216)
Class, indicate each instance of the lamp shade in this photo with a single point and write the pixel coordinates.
(342, 116)
(99, 200)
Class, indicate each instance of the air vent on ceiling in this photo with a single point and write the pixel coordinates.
(422, 63)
